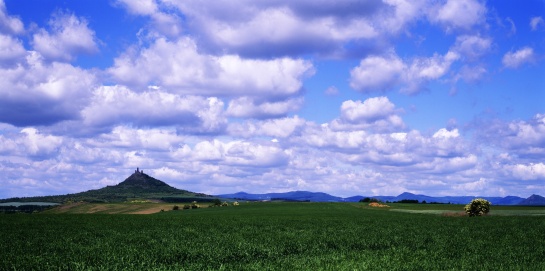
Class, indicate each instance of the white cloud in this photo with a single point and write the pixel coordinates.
(478, 187)
(377, 73)
(280, 25)
(279, 28)
(431, 68)
(459, 14)
(279, 127)
(162, 21)
(405, 11)
(376, 114)
(472, 47)
(517, 58)
(112, 105)
(536, 23)
(471, 74)
(526, 138)
(444, 133)
(529, 171)
(140, 7)
(245, 107)
(239, 153)
(11, 51)
(367, 111)
(9, 24)
(69, 37)
(514, 142)
(179, 67)
(35, 92)
(149, 139)
(37, 144)
(79, 153)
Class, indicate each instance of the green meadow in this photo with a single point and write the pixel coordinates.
(278, 236)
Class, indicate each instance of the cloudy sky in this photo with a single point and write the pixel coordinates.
(376, 97)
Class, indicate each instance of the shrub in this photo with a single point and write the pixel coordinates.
(216, 202)
(175, 208)
(477, 207)
(369, 200)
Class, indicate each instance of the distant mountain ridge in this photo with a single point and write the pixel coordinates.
(324, 197)
(533, 200)
(142, 186)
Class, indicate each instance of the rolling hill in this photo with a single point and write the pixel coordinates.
(323, 197)
(533, 200)
(137, 186)
(142, 186)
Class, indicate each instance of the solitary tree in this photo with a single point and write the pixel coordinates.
(478, 207)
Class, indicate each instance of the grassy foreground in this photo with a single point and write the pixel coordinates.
(272, 236)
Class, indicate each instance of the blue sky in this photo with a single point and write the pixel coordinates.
(344, 97)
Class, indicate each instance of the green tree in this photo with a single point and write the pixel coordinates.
(478, 207)
(216, 202)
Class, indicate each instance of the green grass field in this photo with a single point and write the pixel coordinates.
(276, 236)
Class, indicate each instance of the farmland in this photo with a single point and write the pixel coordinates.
(277, 236)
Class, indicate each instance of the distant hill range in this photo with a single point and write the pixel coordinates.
(142, 186)
(533, 200)
(137, 186)
(323, 197)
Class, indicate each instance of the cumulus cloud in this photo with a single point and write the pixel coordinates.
(377, 114)
(180, 67)
(280, 28)
(37, 144)
(395, 151)
(245, 107)
(68, 37)
(277, 128)
(517, 58)
(370, 110)
(164, 22)
(444, 133)
(11, 51)
(113, 105)
(39, 93)
(377, 73)
(472, 47)
(536, 23)
(525, 138)
(380, 73)
(238, 153)
(529, 171)
(9, 24)
(403, 13)
(131, 138)
(459, 14)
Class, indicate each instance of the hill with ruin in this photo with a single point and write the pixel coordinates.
(137, 186)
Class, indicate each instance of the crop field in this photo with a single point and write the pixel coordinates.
(275, 236)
